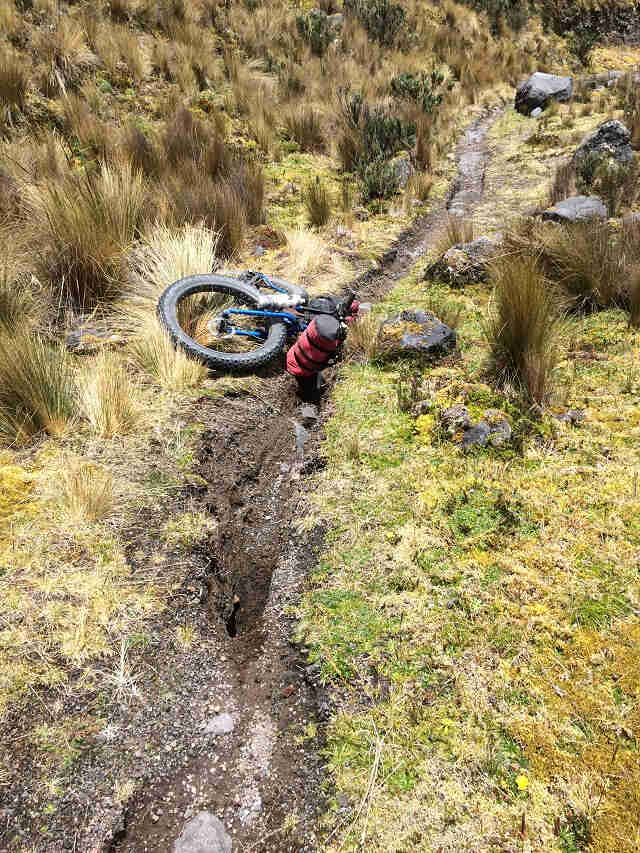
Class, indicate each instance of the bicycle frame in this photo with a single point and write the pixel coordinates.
(295, 325)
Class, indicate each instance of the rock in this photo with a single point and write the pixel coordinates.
(361, 214)
(402, 168)
(365, 307)
(309, 416)
(454, 419)
(204, 833)
(541, 88)
(611, 141)
(422, 408)
(86, 340)
(500, 427)
(301, 439)
(572, 416)
(466, 263)
(222, 724)
(576, 209)
(415, 333)
(537, 112)
(476, 436)
(259, 251)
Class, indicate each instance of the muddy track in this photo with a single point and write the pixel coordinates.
(263, 772)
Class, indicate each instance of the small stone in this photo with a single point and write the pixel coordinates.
(365, 307)
(537, 112)
(361, 214)
(309, 416)
(284, 468)
(259, 251)
(301, 439)
(476, 436)
(222, 724)
(500, 427)
(204, 833)
(422, 408)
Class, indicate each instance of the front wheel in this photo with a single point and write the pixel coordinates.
(193, 322)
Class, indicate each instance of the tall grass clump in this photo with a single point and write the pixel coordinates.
(634, 298)
(36, 387)
(304, 125)
(82, 226)
(456, 230)
(108, 396)
(86, 491)
(523, 326)
(317, 202)
(155, 354)
(13, 85)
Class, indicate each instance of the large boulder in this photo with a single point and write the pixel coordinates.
(415, 333)
(611, 141)
(576, 209)
(541, 88)
(466, 263)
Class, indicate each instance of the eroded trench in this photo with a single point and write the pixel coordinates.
(260, 775)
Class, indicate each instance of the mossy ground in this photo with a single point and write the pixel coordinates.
(477, 615)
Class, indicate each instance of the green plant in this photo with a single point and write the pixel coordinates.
(408, 389)
(317, 202)
(423, 89)
(315, 29)
(378, 179)
(383, 20)
(523, 326)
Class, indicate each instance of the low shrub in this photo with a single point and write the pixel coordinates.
(523, 326)
(423, 89)
(316, 30)
(384, 21)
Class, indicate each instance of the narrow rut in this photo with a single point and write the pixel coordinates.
(266, 770)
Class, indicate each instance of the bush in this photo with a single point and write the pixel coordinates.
(83, 224)
(523, 326)
(421, 88)
(315, 29)
(384, 21)
(379, 179)
(304, 125)
(317, 202)
(36, 387)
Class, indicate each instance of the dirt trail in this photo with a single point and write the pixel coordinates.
(264, 771)
(227, 724)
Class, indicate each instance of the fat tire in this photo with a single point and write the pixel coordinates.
(211, 283)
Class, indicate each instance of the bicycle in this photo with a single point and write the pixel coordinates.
(252, 326)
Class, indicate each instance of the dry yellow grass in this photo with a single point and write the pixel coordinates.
(109, 396)
(86, 491)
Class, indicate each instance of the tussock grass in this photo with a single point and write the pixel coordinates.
(304, 124)
(456, 230)
(21, 301)
(317, 202)
(36, 387)
(363, 339)
(154, 353)
(108, 396)
(14, 82)
(82, 226)
(523, 327)
(86, 491)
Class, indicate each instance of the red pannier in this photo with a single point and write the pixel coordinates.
(314, 347)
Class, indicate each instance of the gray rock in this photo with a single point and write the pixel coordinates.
(301, 439)
(259, 251)
(537, 112)
(402, 168)
(415, 333)
(541, 88)
(576, 209)
(611, 141)
(204, 833)
(476, 436)
(466, 263)
(222, 724)
(572, 416)
(500, 427)
(455, 418)
(361, 214)
(365, 308)
(309, 416)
